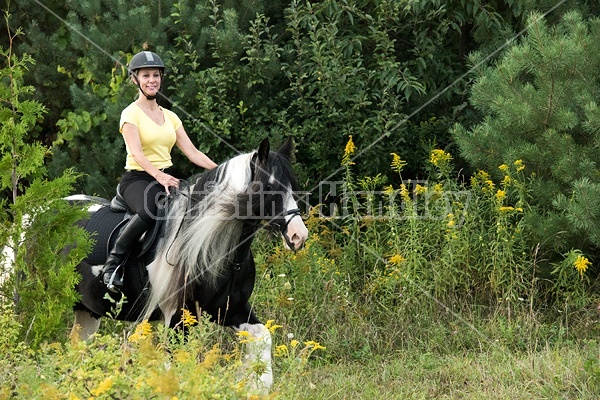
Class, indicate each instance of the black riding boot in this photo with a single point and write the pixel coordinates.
(132, 232)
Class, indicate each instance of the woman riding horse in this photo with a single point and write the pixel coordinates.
(150, 132)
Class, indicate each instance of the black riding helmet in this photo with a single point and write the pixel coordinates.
(145, 59)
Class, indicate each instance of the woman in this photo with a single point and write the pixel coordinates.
(150, 132)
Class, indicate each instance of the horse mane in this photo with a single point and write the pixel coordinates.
(204, 223)
(200, 235)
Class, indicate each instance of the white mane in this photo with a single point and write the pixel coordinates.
(200, 239)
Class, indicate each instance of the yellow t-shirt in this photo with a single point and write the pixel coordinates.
(157, 140)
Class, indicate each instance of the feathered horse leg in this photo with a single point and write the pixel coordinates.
(258, 370)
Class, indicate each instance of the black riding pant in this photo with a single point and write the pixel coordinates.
(142, 193)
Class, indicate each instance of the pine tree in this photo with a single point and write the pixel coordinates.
(540, 105)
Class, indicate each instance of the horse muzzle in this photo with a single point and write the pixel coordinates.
(295, 234)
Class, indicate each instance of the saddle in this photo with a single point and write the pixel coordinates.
(106, 223)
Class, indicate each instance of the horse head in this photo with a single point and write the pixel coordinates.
(273, 186)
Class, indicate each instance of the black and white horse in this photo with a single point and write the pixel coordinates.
(202, 260)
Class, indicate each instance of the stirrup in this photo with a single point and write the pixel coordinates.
(115, 283)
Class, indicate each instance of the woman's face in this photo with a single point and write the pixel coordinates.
(149, 80)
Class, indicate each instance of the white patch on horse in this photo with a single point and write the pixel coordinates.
(258, 350)
(97, 269)
(78, 197)
(85, 325)
(232, 177)
(296, 233)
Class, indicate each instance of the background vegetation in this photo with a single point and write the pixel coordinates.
(456, 254)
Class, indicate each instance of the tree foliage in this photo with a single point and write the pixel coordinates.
(540, 103)
(37, 268)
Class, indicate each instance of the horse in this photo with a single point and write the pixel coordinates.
(201, 259)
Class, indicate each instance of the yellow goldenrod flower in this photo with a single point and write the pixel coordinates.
(281, 351)
(294, 343)
(420, 189)
(388, 190)
(582, 264)
(314, 345)
(213, 356)
(404, 192)
(271, 327)
(142, 331)
(103, 387)
(438, 188)
(519, 164)
(500, 195)
(397, 163)
(188, 318)
(348, 151)
(396, 259)
(506, 181)
(506, 209)
(503, 168)
(243, 334)
(440, 158)
(451, 221)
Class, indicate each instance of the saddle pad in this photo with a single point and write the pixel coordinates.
(101, 225)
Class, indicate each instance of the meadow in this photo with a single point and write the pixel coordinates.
(404, 290)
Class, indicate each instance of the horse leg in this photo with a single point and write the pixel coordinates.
(258, 350)
(85, 324)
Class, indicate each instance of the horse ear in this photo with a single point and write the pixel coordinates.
(287, 148)
(263, 151)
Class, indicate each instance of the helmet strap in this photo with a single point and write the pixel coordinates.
(140, 87)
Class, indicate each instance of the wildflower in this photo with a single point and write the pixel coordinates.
(420, 189)
(440, 158)
(503, 168)
(582, 264)
(506, 181)
(314, 345)
(451, 221)
(348, 151)
(188, 318)
(142, 331)
(506, 209)
(404, 192)
(271, 327)
(245, 336)
(103, 387)
(438, 188)
(281, 351)
(294, 343)
(500, 195)
(212, 356)
(388, 190)
(396, 259)
(519, 164)
(397, 163)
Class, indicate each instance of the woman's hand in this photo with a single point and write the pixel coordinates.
(167, 181)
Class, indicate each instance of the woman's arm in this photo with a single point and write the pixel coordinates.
(131, 135)
(191, 152)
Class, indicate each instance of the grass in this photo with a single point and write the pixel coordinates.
(393, 308)
(560, 372)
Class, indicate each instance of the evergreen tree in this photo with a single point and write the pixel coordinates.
(540, 103)
(37, 226)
